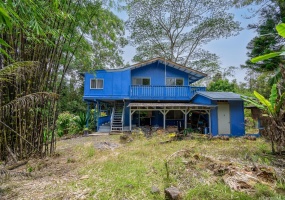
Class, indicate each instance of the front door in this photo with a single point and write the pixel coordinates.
(224, 118)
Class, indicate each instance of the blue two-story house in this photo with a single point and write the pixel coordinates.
(159, 93)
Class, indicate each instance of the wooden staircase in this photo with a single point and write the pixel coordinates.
(117, 121)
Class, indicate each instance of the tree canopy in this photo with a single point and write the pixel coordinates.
(177, 29)
(267, 40)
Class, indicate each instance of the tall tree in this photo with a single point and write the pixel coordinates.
(58, 35)
(266, 41)
(177, 29)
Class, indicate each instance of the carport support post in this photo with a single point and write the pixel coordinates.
(164, 112)
(130, 118)
(185, 112)
(210, 123)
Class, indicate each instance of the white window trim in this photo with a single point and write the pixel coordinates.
(175, 81)
(96, 84)
(142, 78)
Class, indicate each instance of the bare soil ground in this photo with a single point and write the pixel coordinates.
(50, 176)
(101, 167)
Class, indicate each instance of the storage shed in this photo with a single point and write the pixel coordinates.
(227, 118)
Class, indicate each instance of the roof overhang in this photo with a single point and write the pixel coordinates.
(170, 106)
(228, 96)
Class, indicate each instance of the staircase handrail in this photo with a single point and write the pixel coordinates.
(112, 117)
(122, 119)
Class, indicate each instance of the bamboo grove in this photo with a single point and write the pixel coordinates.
(40, 42)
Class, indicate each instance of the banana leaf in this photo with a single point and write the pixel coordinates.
(264, 102)
(265, 57)
(281, 29)
(273, 95)
(280, 103)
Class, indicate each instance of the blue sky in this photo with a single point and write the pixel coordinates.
(232, 51)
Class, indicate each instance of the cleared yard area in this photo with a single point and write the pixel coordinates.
(104, 167)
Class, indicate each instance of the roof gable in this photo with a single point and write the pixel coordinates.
(194, 75)
(219, 95)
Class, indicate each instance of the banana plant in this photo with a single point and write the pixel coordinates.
(271, 106)
(275, 128)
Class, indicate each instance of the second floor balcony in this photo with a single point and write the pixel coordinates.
(163, 92)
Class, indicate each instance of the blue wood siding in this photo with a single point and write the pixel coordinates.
(156, 73)
(237, 118)
(116, 85)
(214, 119)
(202, 100)
(237, 125)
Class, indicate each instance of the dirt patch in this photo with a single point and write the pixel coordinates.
(49, 177)
(106, 145)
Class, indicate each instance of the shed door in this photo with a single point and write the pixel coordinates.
(224, 118)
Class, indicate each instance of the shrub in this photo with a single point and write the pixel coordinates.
(63, 123)
(81, 120)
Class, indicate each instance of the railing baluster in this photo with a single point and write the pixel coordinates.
(151, 92)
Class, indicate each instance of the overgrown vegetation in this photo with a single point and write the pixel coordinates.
(130, 170)
(68, 123)
(274, 107)
(62, 37)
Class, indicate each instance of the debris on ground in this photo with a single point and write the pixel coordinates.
(155, 190)
(126, 138)
(237, 177)
(106, 145)
(172, 193)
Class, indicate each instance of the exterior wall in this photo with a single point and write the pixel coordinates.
(156, 73)
(214, 120)
(116, 85)
(236, 115)
(127, 114)
(237, 118)
(198, 99)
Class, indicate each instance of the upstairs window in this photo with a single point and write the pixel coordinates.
(174, 81)
(141, 81)
(96, 83)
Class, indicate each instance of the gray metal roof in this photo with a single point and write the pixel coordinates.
(219, 95)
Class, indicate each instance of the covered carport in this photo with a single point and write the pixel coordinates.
(164, 108)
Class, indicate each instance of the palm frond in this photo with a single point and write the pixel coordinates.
(17, 69)
(29, 100)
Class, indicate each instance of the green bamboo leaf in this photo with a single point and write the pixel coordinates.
(264, 102)
(6, 54)
(273, 95)
(4, 17)
(265, 57)
(2, 42)
(281, 29)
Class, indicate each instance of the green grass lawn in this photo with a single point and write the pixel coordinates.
(130, 171)
(198, 167)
